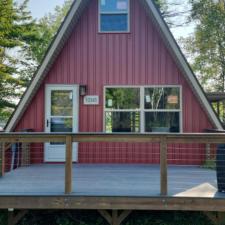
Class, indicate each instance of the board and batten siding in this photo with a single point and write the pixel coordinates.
(97, 59)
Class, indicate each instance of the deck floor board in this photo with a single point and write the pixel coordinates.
(110, 180)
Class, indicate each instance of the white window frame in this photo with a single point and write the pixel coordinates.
(113, 13)
(142, 109)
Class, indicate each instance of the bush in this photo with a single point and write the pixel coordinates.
(46, 217)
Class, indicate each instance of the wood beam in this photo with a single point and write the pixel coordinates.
(2, 159)
(113, 203)
(115, 218)
(14, 218)
(124, 215)
(163, 167)
(200, 138)
(105, 214)
(69, 165)
(217, 218)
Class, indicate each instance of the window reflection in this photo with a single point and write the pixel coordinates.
(122, 98)
(162, 122)
(122, 122)
(162, 98)
(61, 103)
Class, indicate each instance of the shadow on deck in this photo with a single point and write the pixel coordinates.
(110, 180)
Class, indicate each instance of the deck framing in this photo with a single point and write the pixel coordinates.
(68, 201)
(113, 203)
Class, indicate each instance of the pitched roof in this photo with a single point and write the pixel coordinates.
(62, 36)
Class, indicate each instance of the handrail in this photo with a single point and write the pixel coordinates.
(212, 138)
(69, 138)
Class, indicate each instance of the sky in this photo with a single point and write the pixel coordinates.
(41, 7)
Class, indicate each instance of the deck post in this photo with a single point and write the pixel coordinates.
(115, 218)
(69, 164)
(14, 218)
(2, 146)
(163, 167)
(216, 218)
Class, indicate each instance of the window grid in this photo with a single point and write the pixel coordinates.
(142, 109)
(122, 12)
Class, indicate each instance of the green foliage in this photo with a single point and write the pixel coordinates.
(209, 164)
(93, 218)
(207, 46)
(48, 27)
(17, 31)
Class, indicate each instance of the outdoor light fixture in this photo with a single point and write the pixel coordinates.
(83, 90)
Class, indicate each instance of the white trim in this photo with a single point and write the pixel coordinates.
(75, 114)
(44, 65)
(142, 109)
(128, 12)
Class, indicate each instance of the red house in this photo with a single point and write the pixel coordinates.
(113, 67)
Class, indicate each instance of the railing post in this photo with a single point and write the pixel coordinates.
(2, 155)
(163, 166)
(69, 164)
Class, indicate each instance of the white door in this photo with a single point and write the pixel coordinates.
(61, 109)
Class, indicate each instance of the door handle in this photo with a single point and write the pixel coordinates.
(47, 123)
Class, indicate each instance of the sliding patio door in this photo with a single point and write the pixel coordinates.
(61, 116)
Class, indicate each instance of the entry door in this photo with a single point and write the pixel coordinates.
(61, 105)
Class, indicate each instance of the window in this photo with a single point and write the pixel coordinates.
(142, 109)
(162, 109)
(122, 110)
(114, 15)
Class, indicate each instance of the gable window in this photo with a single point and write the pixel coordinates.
(142, 109)
(114, 15)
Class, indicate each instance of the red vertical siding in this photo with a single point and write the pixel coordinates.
(137, 58)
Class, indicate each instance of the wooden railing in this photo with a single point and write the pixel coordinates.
(68, 139)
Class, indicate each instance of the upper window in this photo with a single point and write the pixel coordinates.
(142, 109)
(114, 15)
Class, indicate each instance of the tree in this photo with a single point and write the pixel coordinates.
(206, 48)
(17, 31)
(48, 27)
(173, 11)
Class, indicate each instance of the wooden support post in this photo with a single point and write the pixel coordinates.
(115, 218)
(68, 165)
(14, 218)
(216, 218)
(105, 214)
(163, 167)
(2, 159)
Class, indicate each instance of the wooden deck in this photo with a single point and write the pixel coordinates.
(110, 180)
(111, 187)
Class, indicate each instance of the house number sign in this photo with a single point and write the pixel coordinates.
(91, 100)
